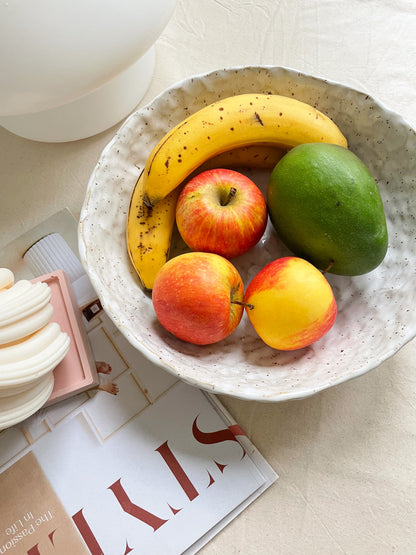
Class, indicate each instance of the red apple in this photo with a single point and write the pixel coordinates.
(196, 296)
(290, 304)
(221, 211)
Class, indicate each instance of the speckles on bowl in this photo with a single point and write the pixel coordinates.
(376, 312)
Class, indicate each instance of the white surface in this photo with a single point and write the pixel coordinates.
(345, 457)
(374, 320)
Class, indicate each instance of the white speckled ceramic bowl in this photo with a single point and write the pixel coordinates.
(376, 311)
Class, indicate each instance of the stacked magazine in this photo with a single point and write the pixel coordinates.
(141, 463)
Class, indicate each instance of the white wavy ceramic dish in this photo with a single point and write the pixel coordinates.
(18, 407)
(376, 315)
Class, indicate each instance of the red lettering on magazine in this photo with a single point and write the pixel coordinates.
(131, 508)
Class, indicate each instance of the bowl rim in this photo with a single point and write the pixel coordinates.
(152, 356)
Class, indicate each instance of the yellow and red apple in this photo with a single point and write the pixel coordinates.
(221, 211)
(198, 297)
(290, 303)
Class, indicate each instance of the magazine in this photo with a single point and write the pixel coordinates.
(141, 463)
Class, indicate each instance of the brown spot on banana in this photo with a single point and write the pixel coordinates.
(258, 118)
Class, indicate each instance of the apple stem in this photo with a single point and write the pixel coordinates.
(231, 194)
(328, 267)
(247, 305)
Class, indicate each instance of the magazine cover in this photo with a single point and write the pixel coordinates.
(139, 462)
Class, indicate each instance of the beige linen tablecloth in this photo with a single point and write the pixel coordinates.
(346, 457)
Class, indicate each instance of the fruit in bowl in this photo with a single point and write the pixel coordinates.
(236, 121)
(198, 297)
(373, 321)
(326, 207)
(221, 211)
(290, 304)
(323, 202)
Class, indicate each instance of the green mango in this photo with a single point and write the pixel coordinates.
(326, 207)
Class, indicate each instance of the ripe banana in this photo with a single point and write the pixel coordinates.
(227, 124)
(149, 233)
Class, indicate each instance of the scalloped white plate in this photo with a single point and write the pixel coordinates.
(376, 314)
